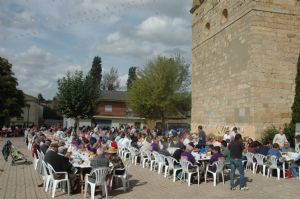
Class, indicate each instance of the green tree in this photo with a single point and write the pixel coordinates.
(96, 70)
(131, 76)
(49, 113)
(40, 98)
(77, 96)
(268, 135)
(55, 103)
(11, 99)
(290, 130)
(161, 89)
(111, 80)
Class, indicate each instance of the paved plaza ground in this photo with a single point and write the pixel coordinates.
(20, 182)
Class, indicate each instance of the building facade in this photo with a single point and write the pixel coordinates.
(32, 113)
(113, 111)
(244, 57)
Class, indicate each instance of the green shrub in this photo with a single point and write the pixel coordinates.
(268, 135)
(289, 131)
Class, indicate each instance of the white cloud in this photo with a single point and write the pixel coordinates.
(2, 51)
(163, 29)
(155, 35)
(113, 37)
(43, 40)
(37, 71)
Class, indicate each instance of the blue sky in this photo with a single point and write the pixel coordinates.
(44, 39)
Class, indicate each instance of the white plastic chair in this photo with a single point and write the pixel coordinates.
(299, 172)
(172, 150)
(219, 170)
(39, 161)
(54, 182)
(155, 162)
(100, 178)
(125, 153)
(250, 161)
(123, 177)
(134, 154)
(29, 146)
(161, 163)
(144, 158)
(147, 159)
(185, 170)
(260, 161)
(274, 160)
(42, 155)
(171, 166)
(46, 176)
(35, 162)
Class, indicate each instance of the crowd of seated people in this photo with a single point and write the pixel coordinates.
(102, 144)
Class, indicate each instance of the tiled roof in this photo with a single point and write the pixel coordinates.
(113, 96)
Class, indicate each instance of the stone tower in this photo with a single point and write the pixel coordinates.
(244, 57)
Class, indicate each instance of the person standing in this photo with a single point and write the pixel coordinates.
(236, 148)
(233, 133)
(280, 138)
(202, 138)
(226, 136)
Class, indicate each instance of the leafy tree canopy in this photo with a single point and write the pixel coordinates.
(40, 98)
(77, 96)
(161, 89)
(11, 98)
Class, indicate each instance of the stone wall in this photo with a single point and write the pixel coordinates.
(244, 62)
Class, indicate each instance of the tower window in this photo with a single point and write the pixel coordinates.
(225, 13)
(207, 25)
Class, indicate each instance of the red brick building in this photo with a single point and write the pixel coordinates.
(113, 111)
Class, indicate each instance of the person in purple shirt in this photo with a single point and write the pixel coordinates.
(217, 155)
(155, 145)
(187, 154)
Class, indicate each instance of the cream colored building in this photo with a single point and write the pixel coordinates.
(244, 57)
(32, 113)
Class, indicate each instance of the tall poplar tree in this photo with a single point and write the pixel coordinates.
(96, 70)
(131, 76)
(296, 105)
